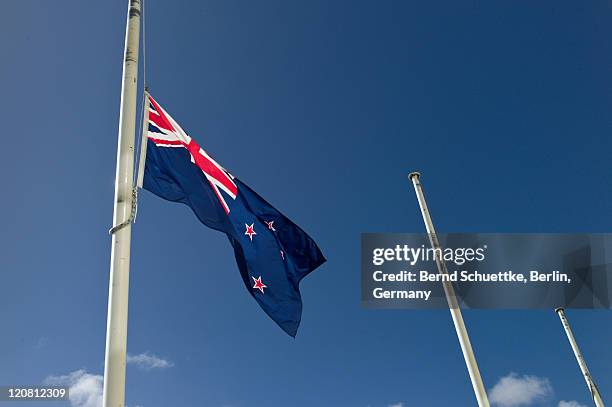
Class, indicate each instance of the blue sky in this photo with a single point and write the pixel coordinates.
(323, 108)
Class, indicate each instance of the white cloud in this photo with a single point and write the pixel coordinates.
(572, 403)
(84, 389)
(148, 361)
(514, 390)
(397, 405)
(40, 343)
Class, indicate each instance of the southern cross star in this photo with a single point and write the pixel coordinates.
(258, 284)
(250, 230)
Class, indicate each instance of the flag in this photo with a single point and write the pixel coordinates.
(273, 253)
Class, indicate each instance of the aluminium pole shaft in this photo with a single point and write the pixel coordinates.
(464, 339)
(580, 359)
(116, 328)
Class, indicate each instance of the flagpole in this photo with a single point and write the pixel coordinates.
(580, 359)
(464, 339)
(116, 328)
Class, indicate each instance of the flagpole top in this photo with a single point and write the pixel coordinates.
(559, 309)
(414, 174)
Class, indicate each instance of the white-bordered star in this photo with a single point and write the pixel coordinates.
(250, 230)
(258, 284)
(270, 225)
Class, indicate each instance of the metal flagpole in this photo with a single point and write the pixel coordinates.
(583, 367)
(464, 339)
(123, 213)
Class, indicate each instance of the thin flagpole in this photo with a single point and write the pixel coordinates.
(581, 362)
(464, 339)
(116, 328)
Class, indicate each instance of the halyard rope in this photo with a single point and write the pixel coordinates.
(134, 209)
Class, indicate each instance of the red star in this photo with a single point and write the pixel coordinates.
(270, 225)
(258, 284)
(250, 231)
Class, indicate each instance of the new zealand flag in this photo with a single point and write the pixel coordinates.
(273, 253)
